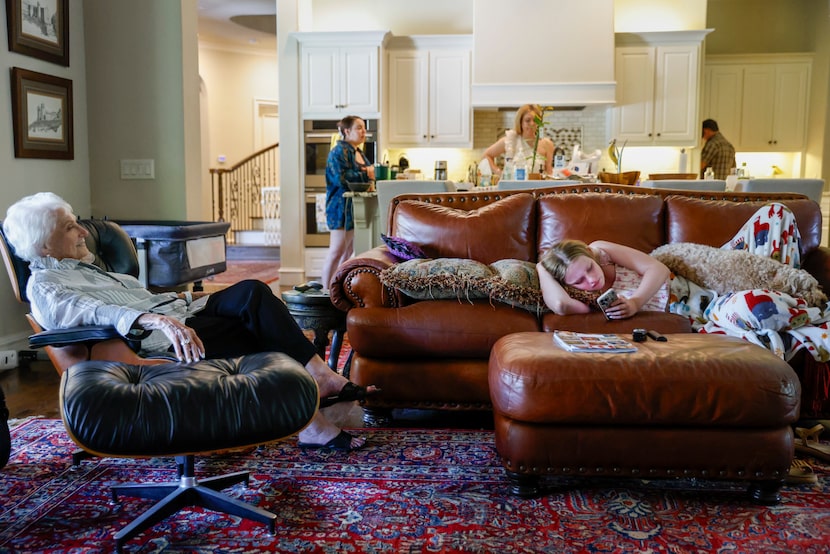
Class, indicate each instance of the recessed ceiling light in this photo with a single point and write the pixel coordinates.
(253, 41)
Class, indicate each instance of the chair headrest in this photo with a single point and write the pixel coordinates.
(112, 246)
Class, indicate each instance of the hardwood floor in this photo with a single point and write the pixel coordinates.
(32, 391)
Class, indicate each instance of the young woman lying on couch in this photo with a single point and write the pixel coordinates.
(750, 288)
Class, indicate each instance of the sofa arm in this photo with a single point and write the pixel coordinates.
(356, 283)
(817, 264)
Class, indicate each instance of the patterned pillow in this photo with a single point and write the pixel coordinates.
(513, 282)
(402, 248)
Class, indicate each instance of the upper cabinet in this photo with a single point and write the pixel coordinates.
(429, 91)
(759, 101)
(340, 74)
(658, 88)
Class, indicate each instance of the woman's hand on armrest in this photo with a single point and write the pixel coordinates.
(187, 345)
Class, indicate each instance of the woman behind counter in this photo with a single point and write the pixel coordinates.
(346, 163)
(521, 137)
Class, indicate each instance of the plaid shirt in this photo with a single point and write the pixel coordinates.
(718, 154)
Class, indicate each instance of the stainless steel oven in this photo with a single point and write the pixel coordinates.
(316, 231)
(317, 140)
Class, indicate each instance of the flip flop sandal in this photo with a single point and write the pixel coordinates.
(341, 443)
(349, 393)
(808, 442)
(801, 473)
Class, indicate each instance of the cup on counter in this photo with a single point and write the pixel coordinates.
(381, 172)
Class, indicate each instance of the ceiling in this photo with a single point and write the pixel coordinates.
(250, 24)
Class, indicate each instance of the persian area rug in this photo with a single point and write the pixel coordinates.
(409, 491)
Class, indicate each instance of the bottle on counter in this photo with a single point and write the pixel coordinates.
(521, 170)
(732, 179)
(509, 170)
(743, 173)
(709, 174)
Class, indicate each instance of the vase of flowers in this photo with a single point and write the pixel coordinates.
(539, 120)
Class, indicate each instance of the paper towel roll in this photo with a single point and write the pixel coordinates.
(683, 161)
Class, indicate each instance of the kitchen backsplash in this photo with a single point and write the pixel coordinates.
(587, 126)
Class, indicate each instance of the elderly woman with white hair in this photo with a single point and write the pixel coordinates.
(66, 290)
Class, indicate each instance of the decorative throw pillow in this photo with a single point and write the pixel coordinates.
(513, 282)
(726, 271)
(402, 248)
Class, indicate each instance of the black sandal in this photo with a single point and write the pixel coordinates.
(341, 443)
(349, 393)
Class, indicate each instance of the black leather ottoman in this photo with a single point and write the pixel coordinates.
(119, 409)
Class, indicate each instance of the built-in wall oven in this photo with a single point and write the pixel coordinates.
(317, 141)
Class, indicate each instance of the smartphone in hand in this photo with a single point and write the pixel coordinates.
(606, 300)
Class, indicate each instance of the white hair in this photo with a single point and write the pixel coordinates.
(30, 222)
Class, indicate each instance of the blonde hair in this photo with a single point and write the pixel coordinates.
(517, 122)
(559, 257)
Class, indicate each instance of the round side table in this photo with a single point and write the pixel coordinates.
(312, 309)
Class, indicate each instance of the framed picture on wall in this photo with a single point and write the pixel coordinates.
(39, 28)
(41, 115)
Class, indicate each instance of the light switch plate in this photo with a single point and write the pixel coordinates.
(138, 169)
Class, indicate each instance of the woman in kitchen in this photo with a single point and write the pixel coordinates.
(521, 138)
(346, 163)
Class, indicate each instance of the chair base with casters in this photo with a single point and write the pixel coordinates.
(127, 410)
(188, 491)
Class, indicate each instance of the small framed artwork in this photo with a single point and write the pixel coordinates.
(41, 115)
(39, 28)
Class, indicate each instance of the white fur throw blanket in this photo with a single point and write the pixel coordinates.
(725, 271)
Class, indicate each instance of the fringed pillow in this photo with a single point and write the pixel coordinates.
(512, 282)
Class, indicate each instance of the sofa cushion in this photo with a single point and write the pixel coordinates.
(632, 220)
(513, 282)
(501, 230)
(715, 222)
(435, 329)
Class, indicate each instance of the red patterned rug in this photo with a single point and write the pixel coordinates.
(410, 491)
(267, 271)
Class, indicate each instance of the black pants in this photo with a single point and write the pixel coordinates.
(246, 318)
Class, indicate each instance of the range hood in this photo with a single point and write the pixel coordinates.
(552, 53)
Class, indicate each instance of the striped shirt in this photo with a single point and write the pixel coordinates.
(68, 293)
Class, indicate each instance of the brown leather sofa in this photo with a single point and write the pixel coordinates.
(434, 353)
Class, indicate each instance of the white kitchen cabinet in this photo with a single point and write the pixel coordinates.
(429, 91)
(658, 88)
(340, 74)
(760, 101)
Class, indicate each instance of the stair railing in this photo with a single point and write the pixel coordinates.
(237, 191)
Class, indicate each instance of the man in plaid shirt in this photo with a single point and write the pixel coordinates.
(718, 153)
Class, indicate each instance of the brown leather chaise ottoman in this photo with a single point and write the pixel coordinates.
(706, 406)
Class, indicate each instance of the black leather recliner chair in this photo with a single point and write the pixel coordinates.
(114, 251)
(115, 403)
